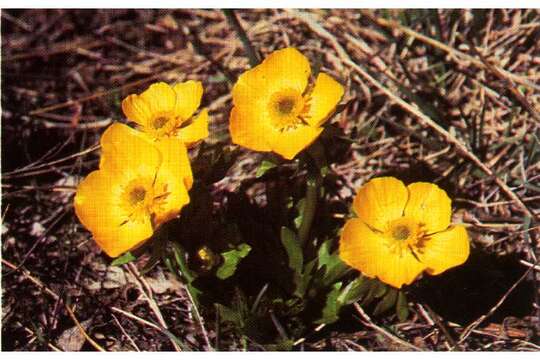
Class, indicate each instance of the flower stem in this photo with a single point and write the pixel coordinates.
(310, 204)
(250, 50)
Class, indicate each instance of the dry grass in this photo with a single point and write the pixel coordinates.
(450, 97)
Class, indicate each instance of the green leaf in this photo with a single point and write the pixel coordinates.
(380, 290)
(376, 289)
(303, 283)
(179, 256)
(334, 268)
(124, 259)
(354, 291)
(387, 302)
(264, 167)
(230, 315)
(231, 259)
(402, 308)
(300, 208)
(294, 251)
(331, 308)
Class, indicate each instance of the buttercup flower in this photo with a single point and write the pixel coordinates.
(275, 109)
(139, 186)
(164, 111)
(402, 231)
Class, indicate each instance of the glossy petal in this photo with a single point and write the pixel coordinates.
(126, 151)
(365, 250)
(290, 142)
(247, 130)
(281, 70)
(380, 201)
(96, 206)
(429, 205)
(445, 250)
(137, 110)
(175, 160)
(188, 98)
(160, 98)
(174, 179)
(323, 99)
(197, 130)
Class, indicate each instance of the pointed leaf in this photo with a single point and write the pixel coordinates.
(387, 302)
(124, 259)
(334, 268)
(354, 291)
(402, 307)
(264, 167)
(294, 251)
(331, 308)
(231, 259)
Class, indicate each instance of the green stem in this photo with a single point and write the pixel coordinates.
(310, 204)
(315, 162)
(250, 50)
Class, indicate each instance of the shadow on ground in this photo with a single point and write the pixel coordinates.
(467, 292)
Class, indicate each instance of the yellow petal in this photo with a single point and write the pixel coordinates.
(248, 131)
(126, 151)
(445, 250)
(380, 201)
(175, 160)
(323, 99)
(137, 110)
(288, 143)
(118, 239)
(429, 205)
(285, 69)
(160, 98)
(173, 180)
(188, 98)
(197, 130)
(97, 207)
(365, 250)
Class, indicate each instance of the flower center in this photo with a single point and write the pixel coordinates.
(285, 105)
(401, 232)
(137, 198)
(285, 108)
(159, 122)
(162, 124)
(136, 195)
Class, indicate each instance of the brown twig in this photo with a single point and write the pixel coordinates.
(368, 322)
(425, 120)
(51, 293)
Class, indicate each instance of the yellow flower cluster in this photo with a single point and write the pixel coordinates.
(144, 176)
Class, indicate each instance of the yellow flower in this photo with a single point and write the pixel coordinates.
(401, 231)
(275, 109)
(139, 186)
(164, 111)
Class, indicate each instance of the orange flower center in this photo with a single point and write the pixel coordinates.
(162, 124)
(403, 234)
(285, 109)
(159, 122)
(136, 195)
(285, 105)
(139, 198)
